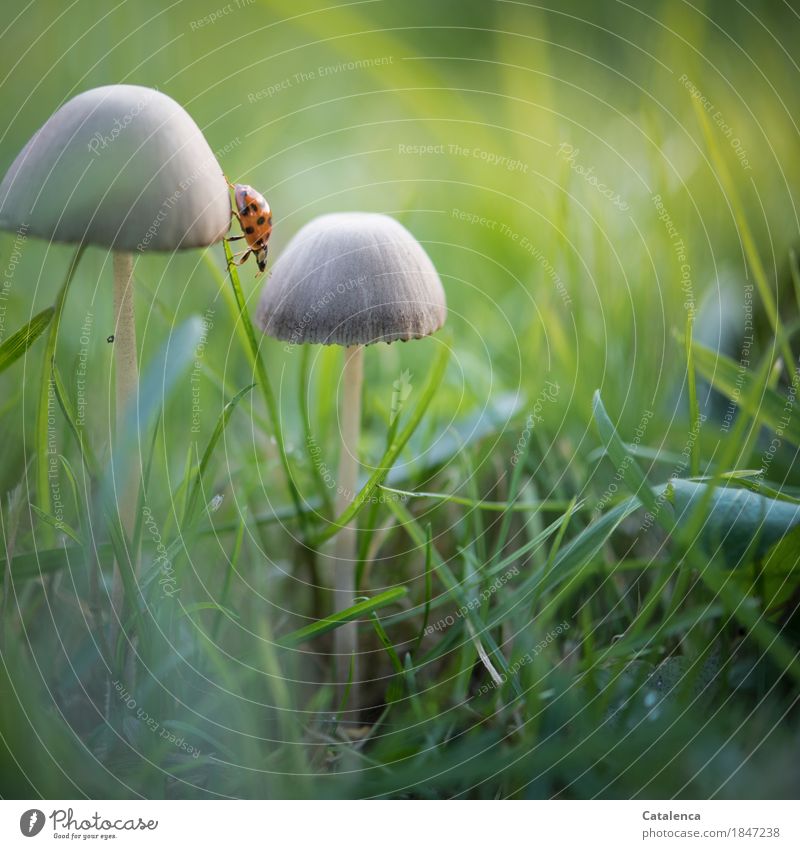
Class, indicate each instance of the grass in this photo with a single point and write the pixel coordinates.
(578, 544)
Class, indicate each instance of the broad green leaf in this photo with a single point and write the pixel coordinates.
(736, 518)
(784, 557)
(34, 564)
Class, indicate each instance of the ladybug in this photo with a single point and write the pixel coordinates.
(255, 218)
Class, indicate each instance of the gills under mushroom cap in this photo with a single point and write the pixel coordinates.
(123, 167)
(352, 278)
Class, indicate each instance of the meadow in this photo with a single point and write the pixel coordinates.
(578, 553)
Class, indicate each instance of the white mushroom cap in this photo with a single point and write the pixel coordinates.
(120, 166)
(352, 278)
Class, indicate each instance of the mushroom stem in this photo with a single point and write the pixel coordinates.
(345, 642)
(127, 384)
(127, 369)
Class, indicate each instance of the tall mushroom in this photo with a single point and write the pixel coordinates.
(351, 279)
(125, 168)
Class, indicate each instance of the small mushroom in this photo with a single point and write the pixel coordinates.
(125, 168)
(351, 279)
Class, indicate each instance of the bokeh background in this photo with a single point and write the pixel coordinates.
(550, 159)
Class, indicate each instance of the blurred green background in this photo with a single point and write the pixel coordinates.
(531, 150)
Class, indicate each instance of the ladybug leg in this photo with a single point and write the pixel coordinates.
(233, 238)
(244, 258)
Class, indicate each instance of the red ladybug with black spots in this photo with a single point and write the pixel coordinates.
(255, 218)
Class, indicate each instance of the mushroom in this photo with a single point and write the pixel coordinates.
(351, 279)
(125, 168)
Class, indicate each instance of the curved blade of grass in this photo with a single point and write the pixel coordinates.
(351, 674)
(387, 643)
(16, 344)
(573, 561)
(42, 448)
(262, 377)
(188, 609)
(694, 409)
(457, 590)
(748, 241)
(513, 490)
(219, 429)
(157, 384)
(747, 391)
(393, 452)
(752, 390)
(428, 583)
(316, 629)
(633, 475)
(84, 445)
(57, 523)
(554, 549)
(231, 566)
(795, 268)
(752, 619)
(9, 527)
(494, 506)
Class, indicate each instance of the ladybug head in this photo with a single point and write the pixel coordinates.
(240, 192)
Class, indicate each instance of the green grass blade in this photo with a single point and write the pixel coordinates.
(317, 629)
(16, 344)
(632, 474)
(46, 388)
(795, 269)
(84, 444)
(694, 409)
(219, 429)
(263, 380)
(492, 506)
(455, 588)
(58, 524)
(513, 489)
(740, 606)
(426, 612)
(748, 240)
(748, 391)
(387, 643)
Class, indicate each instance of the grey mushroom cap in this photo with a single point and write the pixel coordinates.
(123, 167)
(352, 278)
